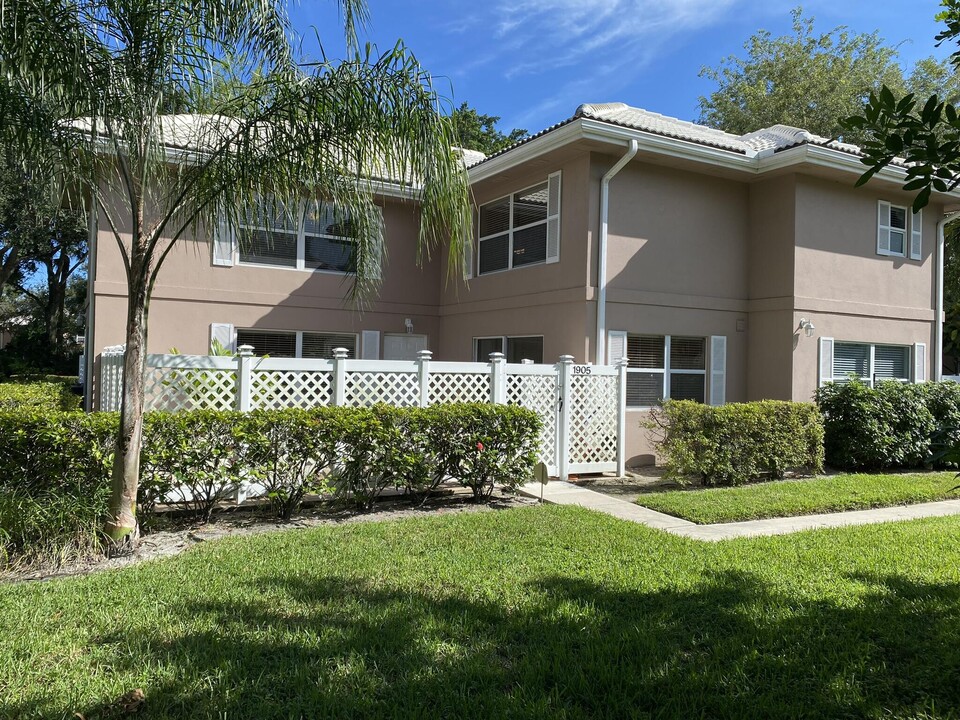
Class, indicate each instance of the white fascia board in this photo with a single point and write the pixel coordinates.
(820, 156)
(538, 146)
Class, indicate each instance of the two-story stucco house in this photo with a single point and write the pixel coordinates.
(725, 268)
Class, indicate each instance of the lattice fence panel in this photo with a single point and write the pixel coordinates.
(393, 388)
(593, 422)
(273, 389)
(173, 389)
(459, 387)
(538, 393)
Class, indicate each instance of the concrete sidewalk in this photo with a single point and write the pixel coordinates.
(564, 493)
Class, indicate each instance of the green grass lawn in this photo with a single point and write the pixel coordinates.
(542, 612)
(802, 497)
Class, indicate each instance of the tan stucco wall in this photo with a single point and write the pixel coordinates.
(191, 293)
(546, 299)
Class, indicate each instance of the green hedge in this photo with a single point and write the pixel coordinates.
(46, 395)
(55, 466)
(892, 425)
(738, 442)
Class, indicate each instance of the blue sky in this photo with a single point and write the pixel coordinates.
(533, 61)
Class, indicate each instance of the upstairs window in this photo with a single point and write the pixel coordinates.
(893, 233)
(520, 229)
(305, 236)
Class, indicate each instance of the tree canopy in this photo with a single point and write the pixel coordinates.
(91, 82)
(811, 80)
(479, 132)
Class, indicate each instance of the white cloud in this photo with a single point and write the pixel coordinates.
(555, 33)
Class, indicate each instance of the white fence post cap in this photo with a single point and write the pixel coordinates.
(245, 350)
(424, 354)
(341, 353)
(566, 359)
(497, 356)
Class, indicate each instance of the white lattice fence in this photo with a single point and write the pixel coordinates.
(582, 406)
(594, 426)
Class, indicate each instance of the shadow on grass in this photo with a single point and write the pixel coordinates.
(731, 647)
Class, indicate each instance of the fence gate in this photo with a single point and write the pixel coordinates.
(582, 406)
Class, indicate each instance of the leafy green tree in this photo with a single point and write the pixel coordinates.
(922, 129)
(810, 80)
(106, 71)
(479, 132)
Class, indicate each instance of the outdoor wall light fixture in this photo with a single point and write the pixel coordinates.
(408, 324)
(807, 327)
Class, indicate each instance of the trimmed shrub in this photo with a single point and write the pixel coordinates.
(738, 442)
(55, 466)
(54, 482)
(289, 452)
(49, 396)
(193, 458)
(893, 425)
(482, 445)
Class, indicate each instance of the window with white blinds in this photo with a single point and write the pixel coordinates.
(870, 363)
(290, 344)
(312, 236)
(520, 229)
(665, 367)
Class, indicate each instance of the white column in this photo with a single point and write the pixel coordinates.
(498, 378)
(340, 356)
(563, 419)
(622, 416)
(244, 376)
(423, 358)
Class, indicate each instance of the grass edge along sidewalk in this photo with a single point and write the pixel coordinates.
(809, 496)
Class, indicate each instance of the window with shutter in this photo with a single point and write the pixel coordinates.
(520, 229)
(291, 344)
(891, 229)
(870, 363)
(665, 367)
(307, 236)
(916, 236)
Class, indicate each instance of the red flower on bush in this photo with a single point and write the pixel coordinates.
(480, 447)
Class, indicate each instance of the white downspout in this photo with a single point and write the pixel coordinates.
(938, 320)
(602, 252)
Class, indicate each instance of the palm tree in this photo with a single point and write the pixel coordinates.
(90, 80)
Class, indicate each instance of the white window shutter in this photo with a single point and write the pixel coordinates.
(376, 271)
(224, 244)
(224, 334)
(916, 236)
(616, 346)
(883, 228)
(370, 345)
(718, 369)
(553, 218)
(920, 362)
(826, 361)
(468, 243)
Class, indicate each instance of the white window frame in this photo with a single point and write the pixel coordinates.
(298, 351)
(666, 371)
(884, 216)
(511, 230)
(301, 215)
(503, 343)
(870, 379)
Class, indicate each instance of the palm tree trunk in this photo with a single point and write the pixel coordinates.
(121, 528)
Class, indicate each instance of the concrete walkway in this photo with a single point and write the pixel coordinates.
(564, 493)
